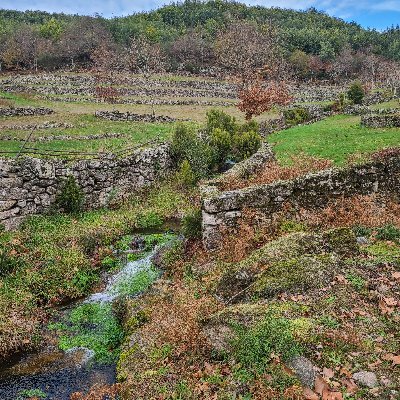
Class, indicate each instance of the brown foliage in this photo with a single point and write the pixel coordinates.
(107, 94)
(257, 98)
(98, 392)
(273, 172)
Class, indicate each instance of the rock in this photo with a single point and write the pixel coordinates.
(304, 369)
(366, 378)
(362, 240)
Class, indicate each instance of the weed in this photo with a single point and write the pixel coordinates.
(253, 348)
(29, 393)
(356, 281)
(70, 198)
(388, 232)
(191, 224)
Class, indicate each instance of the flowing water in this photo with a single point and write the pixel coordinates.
(83, 338)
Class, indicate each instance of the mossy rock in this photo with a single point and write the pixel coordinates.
(341, 241)
(279, 264)
(295, 275)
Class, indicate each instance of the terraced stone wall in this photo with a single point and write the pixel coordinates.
(223, 209)
(30, 185)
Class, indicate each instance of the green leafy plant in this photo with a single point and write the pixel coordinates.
(185, 175)
(217, 119)
(191, 224)
(31, 393)
(388, 232)
(71, 197)
(246, 144)
(296, 116)
(253, 348)
(356, 93)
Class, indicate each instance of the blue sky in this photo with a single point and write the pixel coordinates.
(369, 13)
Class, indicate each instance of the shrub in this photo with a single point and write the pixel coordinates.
(296, 116)
(221, 142)
(185, 176)
(388, 232)
(217, 119)
(191, 224)
(254, 347)
(246, 144)
(187, 145)
(356, 93)
(70, 198)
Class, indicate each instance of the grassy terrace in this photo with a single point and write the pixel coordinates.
(335, 138)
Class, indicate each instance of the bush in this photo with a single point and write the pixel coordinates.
(388, 232)
(356, 93)
(217, 119)
(296, 116)
(246, 144)
(191, 224)
(71, 197)
(185, 175)
(221, 143)
(187, 145)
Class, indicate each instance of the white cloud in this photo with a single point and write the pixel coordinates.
(340, 8)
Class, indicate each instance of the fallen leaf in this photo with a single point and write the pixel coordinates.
(351, 387)
(328, 373)
(384, 308)
(308, 394)
(320, 385)
(390, 301)
(396, 275)
(391, 357)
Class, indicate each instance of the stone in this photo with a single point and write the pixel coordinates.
(366, 378)
(304, 369)
(362, 240)
(6, 205)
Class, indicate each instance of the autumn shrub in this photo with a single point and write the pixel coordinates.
(71, 197)
(272, 172)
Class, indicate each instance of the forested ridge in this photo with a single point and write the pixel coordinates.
(186, 34)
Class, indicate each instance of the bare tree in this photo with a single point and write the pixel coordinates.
(243, 48)
(147, 59)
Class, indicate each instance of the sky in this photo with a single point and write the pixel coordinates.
(377, 14)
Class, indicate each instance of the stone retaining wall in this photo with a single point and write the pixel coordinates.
(221, 209)
(22, 111)
(29, 185)
(128, 116)
(381, 121)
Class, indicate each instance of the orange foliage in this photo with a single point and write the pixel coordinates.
(257, 98)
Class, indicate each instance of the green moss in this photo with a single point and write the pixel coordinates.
(295, 275)
(342, 241)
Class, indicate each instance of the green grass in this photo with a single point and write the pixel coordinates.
(95, 327)
(58, 257)
(335, 138)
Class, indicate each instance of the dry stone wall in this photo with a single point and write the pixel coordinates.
(221, 209)
(30, 185)
(24, 111)
(381, 121)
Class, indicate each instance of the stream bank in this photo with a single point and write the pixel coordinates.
(83, 338)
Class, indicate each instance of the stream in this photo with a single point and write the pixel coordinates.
(83, 338)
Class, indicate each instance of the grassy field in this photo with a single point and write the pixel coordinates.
(335, 138)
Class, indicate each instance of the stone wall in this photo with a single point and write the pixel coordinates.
(381, 121)
(310, 191)
(128, 116)
(23, 111)
(29, 185)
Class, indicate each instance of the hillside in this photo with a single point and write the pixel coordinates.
(186, 36)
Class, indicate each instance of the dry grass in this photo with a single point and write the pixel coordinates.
(273, 172)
